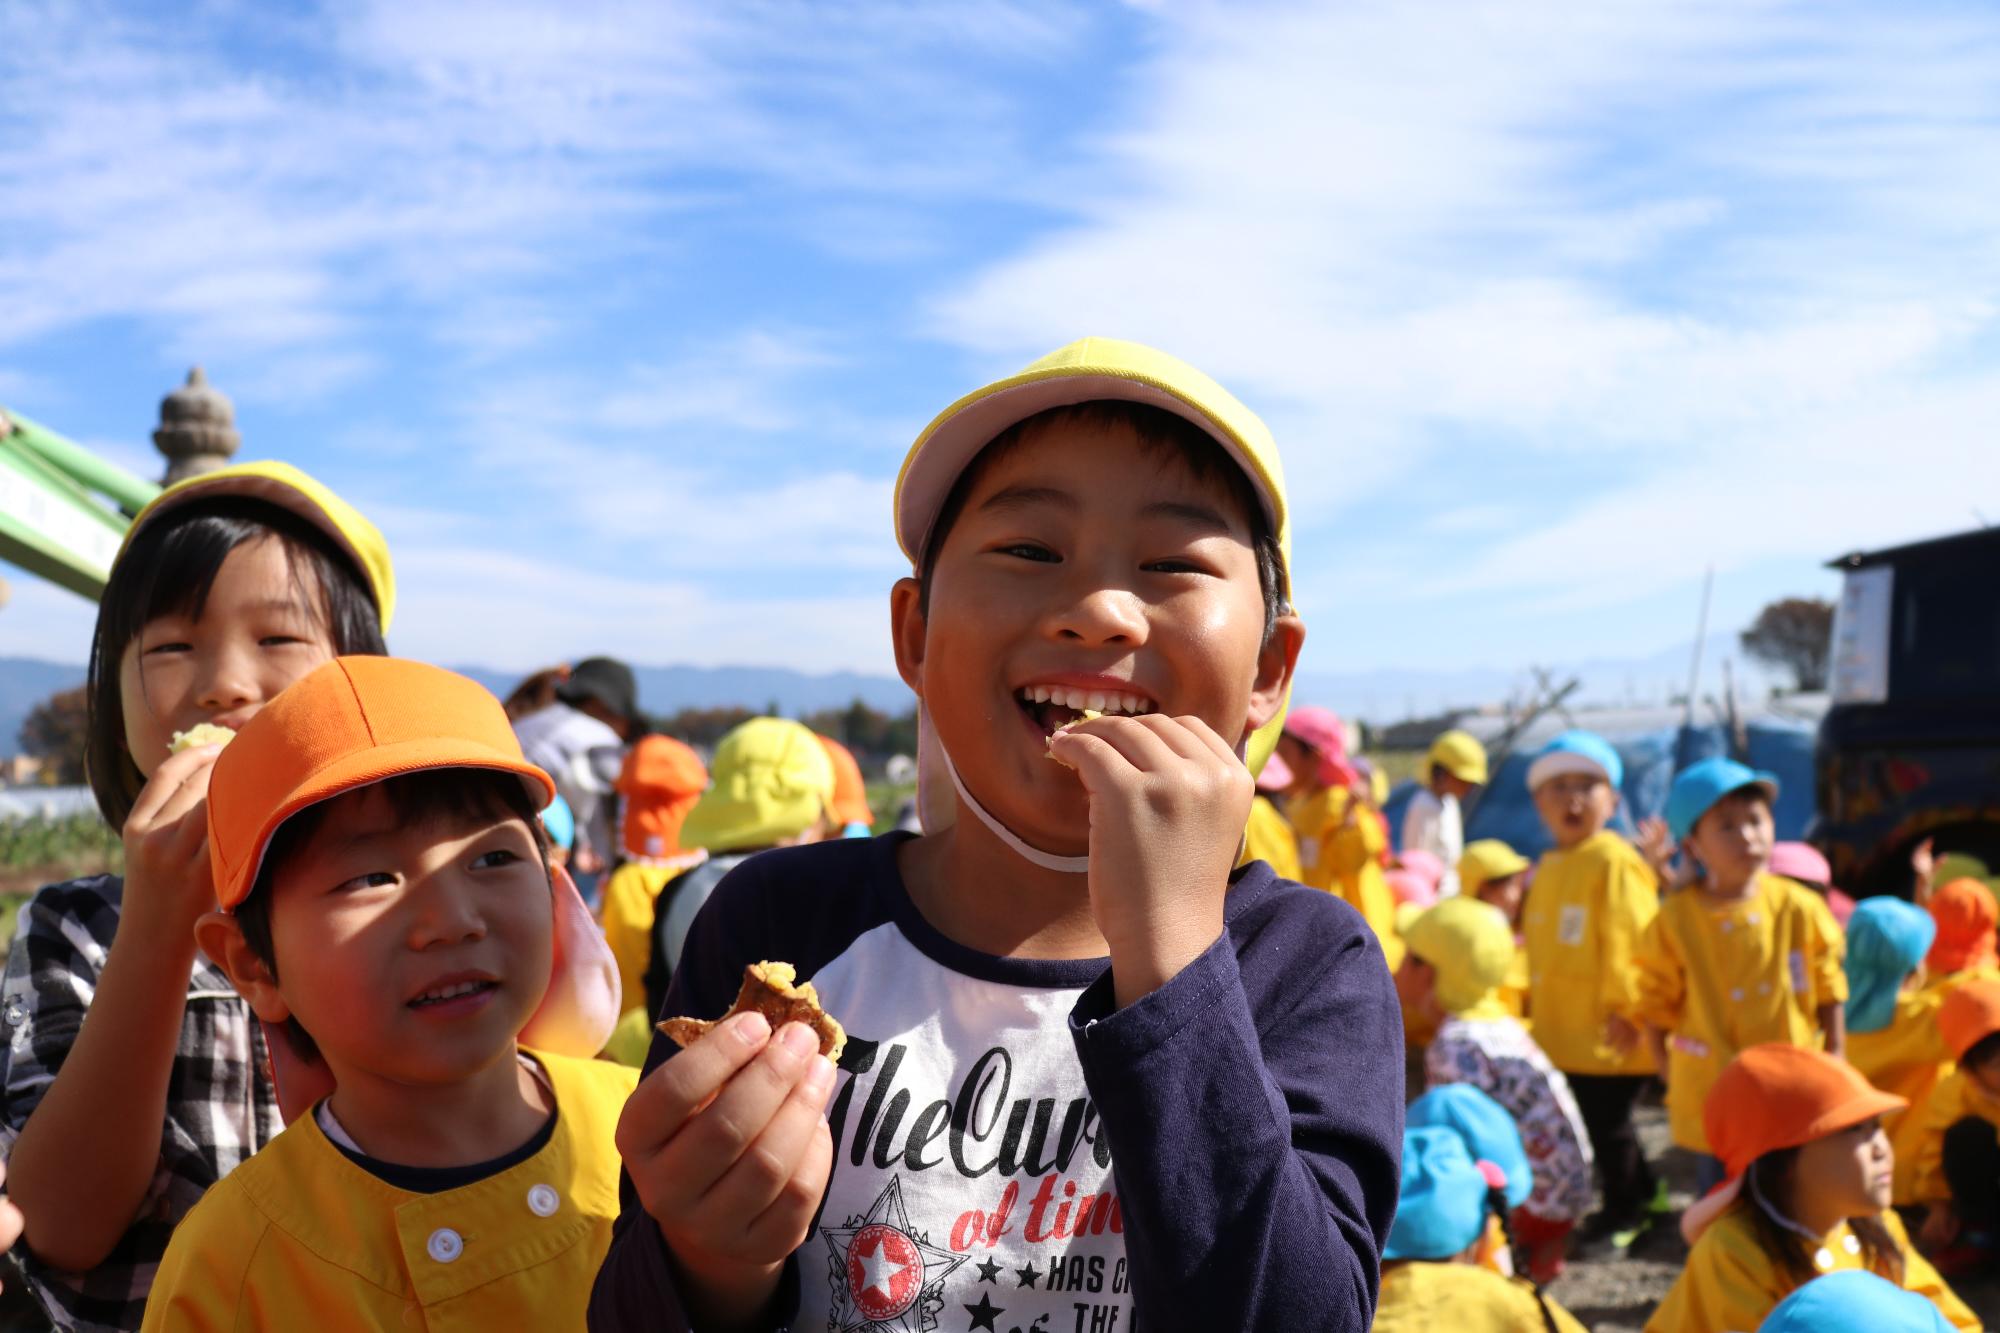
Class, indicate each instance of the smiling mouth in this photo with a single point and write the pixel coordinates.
(457, 990)
(1053, 707)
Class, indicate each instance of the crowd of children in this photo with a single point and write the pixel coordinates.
(1127, 1028)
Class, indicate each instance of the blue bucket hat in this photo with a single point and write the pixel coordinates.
(560, 821)
(1577, 752)
(1854, 1301)
(1701, 785)
(1441, 1208)
(1488, 1130)
(1886, 939)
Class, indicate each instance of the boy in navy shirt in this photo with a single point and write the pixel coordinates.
(1097, 1078)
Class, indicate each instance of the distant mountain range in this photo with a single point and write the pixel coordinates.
(1377, 696)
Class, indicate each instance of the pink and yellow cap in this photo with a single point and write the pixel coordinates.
(1088, 370)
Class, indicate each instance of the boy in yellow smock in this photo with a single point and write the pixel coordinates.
(1592, 899)
(660, 781)
(1739, 958)
(1452, 1188)
(385, 895)
(1341, 839)
(1892, 1027)
(1956, 1174)
(1497, 875)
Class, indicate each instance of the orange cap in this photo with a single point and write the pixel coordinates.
(1969, 1015)
(660, 781)
(1778, 1096)
(850, 790)
(348, 724)
(1966, 913)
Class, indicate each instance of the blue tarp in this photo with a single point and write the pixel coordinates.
(1777, 745)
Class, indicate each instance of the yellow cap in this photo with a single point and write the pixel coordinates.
(1470, 945)
(770, 780)
(1088, 370)
(1458, 754)
(289, 489)
(1485, 861)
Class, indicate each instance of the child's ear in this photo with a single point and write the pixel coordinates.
(906, 628)
(220, 936)
(1275, 665)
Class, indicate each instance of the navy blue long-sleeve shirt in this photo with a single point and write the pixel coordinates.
(1014, 1152)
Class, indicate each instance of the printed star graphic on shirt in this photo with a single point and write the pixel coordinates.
(989, 1271)
(1027, 1277)
(984, 1313)
(886, 1276)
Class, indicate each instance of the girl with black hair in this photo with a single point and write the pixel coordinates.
(1807, 1192)
(135, 1076)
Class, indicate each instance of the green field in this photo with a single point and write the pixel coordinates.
(34, 852)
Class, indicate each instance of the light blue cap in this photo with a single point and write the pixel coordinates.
(1854, 1301)
(1577, 752)
(1701, 785)
(1441, 1208)
(1488, 1130)
(560, 821)
(1886, 939)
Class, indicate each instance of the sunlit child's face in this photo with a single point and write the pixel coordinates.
(1849, 1168)
(1575, 806)
(414, 952)
(1733, 837)
(1506, 893)
(253, 639)
(1302, 759)
(1085, 570)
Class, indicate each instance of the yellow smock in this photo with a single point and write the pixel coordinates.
(1269, 838)
(1586, 912)
(1955, 1098)
(1344, 857)
(301, 1237)
(1718, 976)
(1730, 1284)
(1514, 990)
(630, 897)
(1907, 1057)
(1422, 1297)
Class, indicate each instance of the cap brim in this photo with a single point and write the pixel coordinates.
(369, 767)
(969, 425)
(1551, 766)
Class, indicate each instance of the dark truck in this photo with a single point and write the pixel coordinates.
(1910, 747)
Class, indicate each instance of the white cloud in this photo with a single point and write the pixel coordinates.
(1738, 256)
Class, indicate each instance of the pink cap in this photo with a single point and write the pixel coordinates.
(1276, 775)
(1321, 729)
(1799, 860)
(1411, 887)
(1423, 863)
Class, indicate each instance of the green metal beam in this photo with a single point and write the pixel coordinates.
(51, 522)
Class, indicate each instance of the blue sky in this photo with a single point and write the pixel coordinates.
(618, 317)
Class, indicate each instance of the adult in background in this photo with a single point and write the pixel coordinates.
(579, 739)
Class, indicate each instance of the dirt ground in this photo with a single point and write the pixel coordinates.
(1617, 1294)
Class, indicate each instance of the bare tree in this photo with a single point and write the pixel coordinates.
(1796, 634)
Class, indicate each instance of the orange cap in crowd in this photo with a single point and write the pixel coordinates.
(850, 791)
(1969, 1015)
(348, 724)
(1779, 1096)
(1966, 914)
(660, 782)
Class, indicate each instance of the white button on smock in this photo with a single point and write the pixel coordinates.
(445, 1245)
(543, 1201)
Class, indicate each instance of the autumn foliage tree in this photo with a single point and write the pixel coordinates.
(1795, 634)
(55, 732)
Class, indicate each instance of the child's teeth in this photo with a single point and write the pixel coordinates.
(1096, 704)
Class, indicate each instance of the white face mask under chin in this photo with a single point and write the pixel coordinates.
(936, 809)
